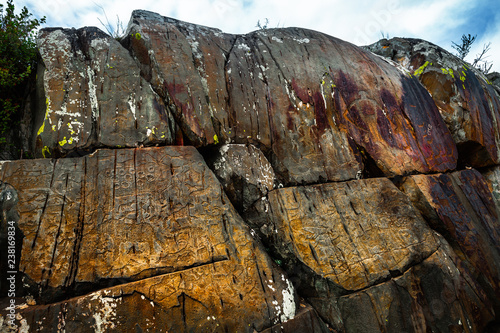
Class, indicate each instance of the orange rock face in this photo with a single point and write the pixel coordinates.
(355, 233)
(141, 226)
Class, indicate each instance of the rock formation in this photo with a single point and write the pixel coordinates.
(466, 99)
(189, 180)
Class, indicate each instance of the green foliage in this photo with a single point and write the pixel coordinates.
(17, 58)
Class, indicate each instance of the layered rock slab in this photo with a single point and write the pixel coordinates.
(140, 226)
(437, 295)
(466, 99)
(354, 233)
(91, 95)
(306, 99)
(492, 177)
(460, 206)
(366, 260)
(339, 238)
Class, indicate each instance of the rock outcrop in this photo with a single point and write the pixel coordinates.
(93, 96)
(315, 122)
(141, 227)
(466, 99)
(278, 181)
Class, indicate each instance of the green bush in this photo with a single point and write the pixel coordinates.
(17, 58)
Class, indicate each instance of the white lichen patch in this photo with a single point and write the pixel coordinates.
(64, 112)
(286, 310)
(92, 93)
(276, 39)
(289, 306)
(99, 44)
(131, 105)
(301, 40)
(270, 286)
(105, 312)
(244, 47)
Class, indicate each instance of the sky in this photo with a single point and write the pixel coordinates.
(360, 22)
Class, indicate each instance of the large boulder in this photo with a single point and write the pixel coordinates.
(437, 295)
(466, 99)
(315, 105)
(360, 253)
(91, 95)
(298, 184)
(138, 238)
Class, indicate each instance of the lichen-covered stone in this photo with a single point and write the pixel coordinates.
(144, 226)
(294, 125)
(466, 99)
(92, 95)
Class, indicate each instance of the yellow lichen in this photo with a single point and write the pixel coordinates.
(448, 71)
(216, 139)
(420, 70)
(71, 131)
(45, 150)
(47, 110)
(63, 142)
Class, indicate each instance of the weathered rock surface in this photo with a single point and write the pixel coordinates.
(354, 233)
(289, 121)
(308, 98)
(461, 208)
(466, 99)
(367, 261)
(434, 296)
(91, 95)
(494, 79)
(244, 173)
(145, 229)
(492, 177)
(316, 115)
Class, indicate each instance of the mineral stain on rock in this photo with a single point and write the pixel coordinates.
(278, 181)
